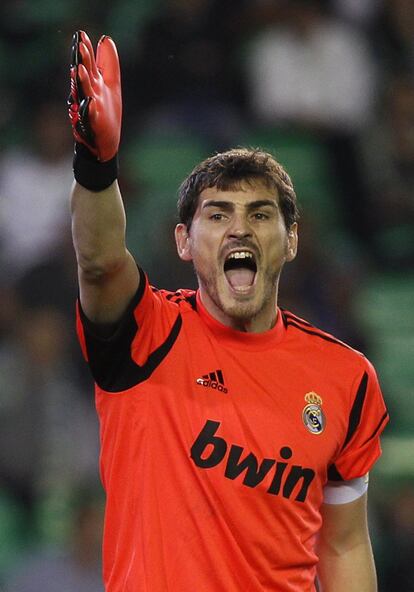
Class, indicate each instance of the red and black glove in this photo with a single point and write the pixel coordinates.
(95, 110)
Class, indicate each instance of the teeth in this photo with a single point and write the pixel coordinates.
(240, 255)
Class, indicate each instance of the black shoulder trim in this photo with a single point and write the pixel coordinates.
(381, 422)
(109, 357)
(311, 331)
(355, 415)
(334, 474)
(284, 317)
(111, 363)
(158, 355)
(192, 300)
(293, 317)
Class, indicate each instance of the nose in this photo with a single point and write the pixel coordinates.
(239, 227)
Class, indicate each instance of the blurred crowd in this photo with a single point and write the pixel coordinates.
(328, 87)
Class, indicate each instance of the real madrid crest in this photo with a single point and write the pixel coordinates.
(312, 415)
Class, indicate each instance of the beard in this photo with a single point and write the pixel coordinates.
(240, 308)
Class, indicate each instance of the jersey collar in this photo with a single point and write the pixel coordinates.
(240, 339)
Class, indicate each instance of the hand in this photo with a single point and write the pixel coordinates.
(95, 102)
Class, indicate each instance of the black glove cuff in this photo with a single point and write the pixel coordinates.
(90, 172)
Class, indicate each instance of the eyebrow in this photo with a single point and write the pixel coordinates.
(229, 205)
(261, 203)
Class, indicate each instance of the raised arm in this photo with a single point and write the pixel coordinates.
(346, 562)
(108, 276)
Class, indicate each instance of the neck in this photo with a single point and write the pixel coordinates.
(238, 318)
(254, 325)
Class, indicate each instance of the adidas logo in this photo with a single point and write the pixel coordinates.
(213, 380)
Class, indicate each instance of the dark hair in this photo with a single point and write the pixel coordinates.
(229, 171)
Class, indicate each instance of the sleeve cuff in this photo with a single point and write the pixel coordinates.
(343, 492)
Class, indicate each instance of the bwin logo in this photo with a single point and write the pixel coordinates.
(209, 450)
(213, 380)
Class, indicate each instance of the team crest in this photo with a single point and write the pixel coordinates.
(312, 415)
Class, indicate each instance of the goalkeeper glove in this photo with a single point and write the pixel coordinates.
(95, 111)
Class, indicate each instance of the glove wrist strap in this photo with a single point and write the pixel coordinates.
(92, 173)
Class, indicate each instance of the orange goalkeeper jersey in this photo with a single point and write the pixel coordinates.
(216, 445)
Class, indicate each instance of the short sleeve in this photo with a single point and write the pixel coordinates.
(367, 419)
(138, 344)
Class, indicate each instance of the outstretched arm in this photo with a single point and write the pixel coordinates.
(346, 562)
(108, 276)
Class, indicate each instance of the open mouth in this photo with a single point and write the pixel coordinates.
(240, 269)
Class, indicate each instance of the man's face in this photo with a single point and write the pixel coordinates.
(238, 243)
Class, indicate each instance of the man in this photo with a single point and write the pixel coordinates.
(236, 437)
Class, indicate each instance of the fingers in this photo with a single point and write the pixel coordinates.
(80, 96)
(95, 105)
(85, 88)
(88, 54)
(83, 67)
(82, 53)
(107, 61)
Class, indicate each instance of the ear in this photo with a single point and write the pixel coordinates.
(292, 242)
(182, 241)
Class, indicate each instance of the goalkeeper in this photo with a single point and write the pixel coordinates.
(236, 438)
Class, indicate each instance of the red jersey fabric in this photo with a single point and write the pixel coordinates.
(216, 445)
